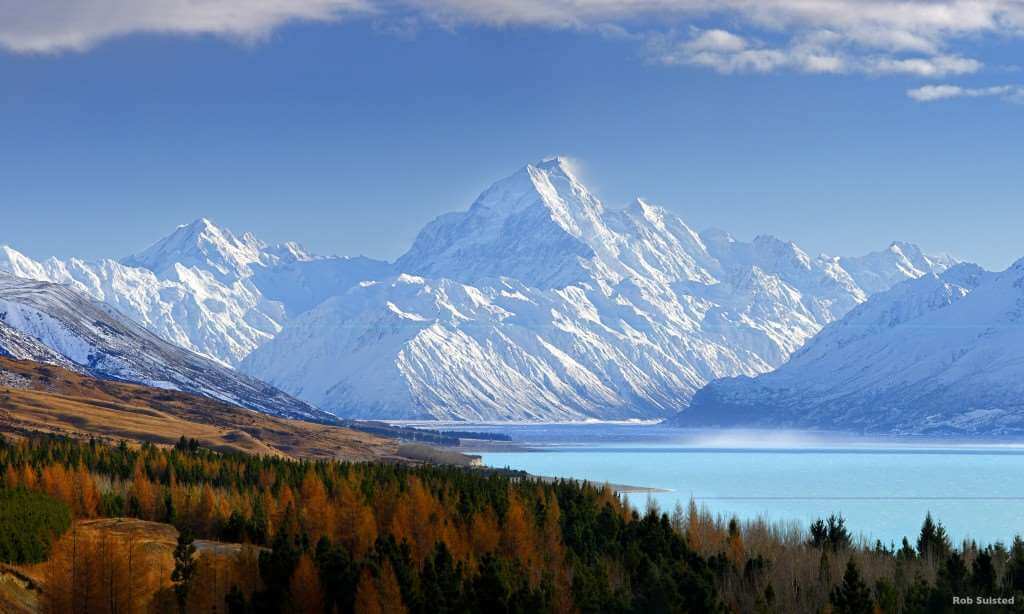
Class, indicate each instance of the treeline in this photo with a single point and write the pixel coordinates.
(761, 566)
(403, 433)
(340, 537)
(377, 537)
(422, 435)
(478, 435)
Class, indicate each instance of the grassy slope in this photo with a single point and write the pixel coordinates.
(35, 397)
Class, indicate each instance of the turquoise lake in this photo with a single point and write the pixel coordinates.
(882, 488)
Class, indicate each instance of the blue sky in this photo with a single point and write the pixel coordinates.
(347, 126)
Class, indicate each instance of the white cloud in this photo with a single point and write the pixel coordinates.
(920, 38)
(931, 93)
(45, 26)
(717, 41)
(897, 25)
(937, 66)
(910, 37)
(816, 52)
(935, 92)
(823, 64)
(748, 60)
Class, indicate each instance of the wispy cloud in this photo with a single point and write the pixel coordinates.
(48, 26)
(920, 38)
(935, 66)
(818, 52)
(931, 93)
(923, 38)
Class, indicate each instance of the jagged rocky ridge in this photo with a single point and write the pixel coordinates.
(939, 355)
(538, 303)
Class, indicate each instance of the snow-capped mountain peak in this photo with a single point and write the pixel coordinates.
(540, 225)
(203, 245)
(18, 264)
(289, 251)
(550, 184)
(880, 270)
(556, 164)
(205, 288)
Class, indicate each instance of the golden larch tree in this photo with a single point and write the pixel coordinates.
(306, 593)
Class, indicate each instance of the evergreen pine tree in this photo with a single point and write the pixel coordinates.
(853, 596)
(983, 573)
(954, 574)
(906, 551)
(933, 542)
(1015, 566)
(185, 565)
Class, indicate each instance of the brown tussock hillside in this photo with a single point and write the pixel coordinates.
(43, 398)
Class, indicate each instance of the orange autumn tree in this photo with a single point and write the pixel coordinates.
(355, 525)
(306, 593)
(88, 494)
(57, 482)
(317, 518)
(367, 599)
(142, 492)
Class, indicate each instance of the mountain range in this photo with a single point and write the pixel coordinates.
(204, 288)
(938, 355)
(537, 303)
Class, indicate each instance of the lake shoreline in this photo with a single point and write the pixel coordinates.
(884, 489)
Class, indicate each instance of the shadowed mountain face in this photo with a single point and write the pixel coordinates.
(59, 325)
(942, 354)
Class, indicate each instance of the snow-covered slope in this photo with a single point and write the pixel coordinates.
(879, 271)
(205, 289)
(539, 303)
(56, 323)
(16, 344)
(939, 354)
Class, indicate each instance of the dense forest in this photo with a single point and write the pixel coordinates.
(374, 537)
